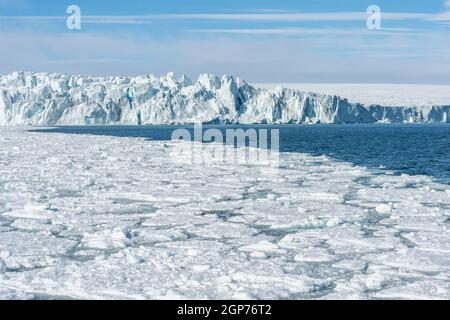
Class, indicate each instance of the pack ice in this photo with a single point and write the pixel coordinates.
(55, 99)
(102, 217)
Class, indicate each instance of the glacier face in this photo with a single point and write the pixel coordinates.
(56, 99)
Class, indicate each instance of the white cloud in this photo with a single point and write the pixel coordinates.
(440, 17)
(319, 16)
(144, 19)
(447, 3)
(309, 31)
(328, 58)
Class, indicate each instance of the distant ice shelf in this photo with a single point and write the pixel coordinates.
(385, 94)
(28, 98)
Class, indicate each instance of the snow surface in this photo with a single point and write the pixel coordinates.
(106, 217)
(56, 99)
(395, 95)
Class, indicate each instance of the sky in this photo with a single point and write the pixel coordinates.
(309, 41)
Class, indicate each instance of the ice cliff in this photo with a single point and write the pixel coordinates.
(57, 99)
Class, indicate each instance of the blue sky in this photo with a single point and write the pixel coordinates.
(261, 41)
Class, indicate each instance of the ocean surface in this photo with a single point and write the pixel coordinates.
(415, 149)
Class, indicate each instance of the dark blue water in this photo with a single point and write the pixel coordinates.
(412, 149)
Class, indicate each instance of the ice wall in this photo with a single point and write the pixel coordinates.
(57, 99)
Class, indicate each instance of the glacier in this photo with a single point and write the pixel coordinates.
(28, 98)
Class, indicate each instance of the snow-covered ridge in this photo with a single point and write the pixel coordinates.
(55, 99)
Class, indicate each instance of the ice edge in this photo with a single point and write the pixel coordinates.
(28, 98)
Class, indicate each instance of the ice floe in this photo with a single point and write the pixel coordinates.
(81, 218)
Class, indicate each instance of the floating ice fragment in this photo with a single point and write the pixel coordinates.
(107, 239)
(384, 208)
(313, 255)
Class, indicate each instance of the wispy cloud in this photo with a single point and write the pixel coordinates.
(314, 16)
(263, 59)
(440, 17)
(192, 43)
(142, 19)
(308, 31)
